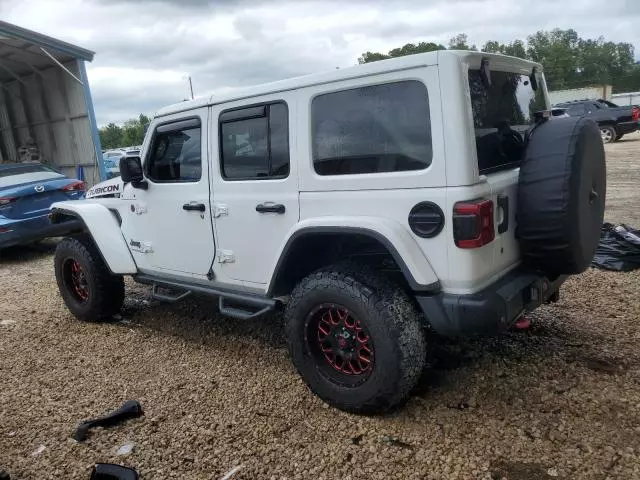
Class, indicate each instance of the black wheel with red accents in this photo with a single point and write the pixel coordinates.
(355, 338)
(341, 344)
(75, 280)
(90, 291)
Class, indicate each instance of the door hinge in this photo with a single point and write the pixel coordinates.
(138, 209)
(220, 209)
(226, 256)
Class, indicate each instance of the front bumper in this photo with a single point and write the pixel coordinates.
(491, 310)
(20, 232)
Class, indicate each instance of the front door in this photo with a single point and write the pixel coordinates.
(255, 185)
(168, 226)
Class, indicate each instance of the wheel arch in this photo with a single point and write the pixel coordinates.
(103, 226)
(311, 247)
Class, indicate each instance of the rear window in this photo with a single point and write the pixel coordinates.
(19, 174)
(502, 112)
(372, 129)
(24, 169)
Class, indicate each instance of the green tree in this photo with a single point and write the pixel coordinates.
(408, 49)
(557, 51)
(111, 136)
(130, 134)
(460, 42)
(514, 49)
(568, 60)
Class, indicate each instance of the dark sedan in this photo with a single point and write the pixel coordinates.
(26, 192)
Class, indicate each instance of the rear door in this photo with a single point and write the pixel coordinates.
(255, 184)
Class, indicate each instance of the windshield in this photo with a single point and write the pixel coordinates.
(502, 112)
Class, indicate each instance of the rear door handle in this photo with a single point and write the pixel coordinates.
(270, 208)
(194, 207)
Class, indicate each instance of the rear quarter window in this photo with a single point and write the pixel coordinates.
(372, 129)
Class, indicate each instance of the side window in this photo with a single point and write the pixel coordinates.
(576, 110)
(254, 142)
(372, 129)
(176, 153)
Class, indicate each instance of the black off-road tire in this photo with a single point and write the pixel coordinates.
(105, 291)
(394, 325)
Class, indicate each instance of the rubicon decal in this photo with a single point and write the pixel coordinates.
(103, 190)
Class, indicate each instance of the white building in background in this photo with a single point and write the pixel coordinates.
(630, 98)
(589, 93)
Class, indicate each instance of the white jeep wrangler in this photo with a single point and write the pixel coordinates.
(372, 203)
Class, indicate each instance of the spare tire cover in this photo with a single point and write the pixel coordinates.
(561, 196)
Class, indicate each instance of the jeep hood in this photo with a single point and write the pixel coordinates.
(109, 188)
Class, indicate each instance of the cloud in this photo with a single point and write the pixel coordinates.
(145, 48)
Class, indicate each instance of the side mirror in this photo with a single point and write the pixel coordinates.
(131, 171)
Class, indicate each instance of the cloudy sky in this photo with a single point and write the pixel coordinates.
(145, 48)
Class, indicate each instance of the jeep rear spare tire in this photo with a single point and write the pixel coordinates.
(357, 343)
(561, 196)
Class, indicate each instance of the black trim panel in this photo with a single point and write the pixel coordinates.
(432, 287)
(238, 295)
(490, 310)
(243, 113)
(186, 124)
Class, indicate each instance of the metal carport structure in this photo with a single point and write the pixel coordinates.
(46, 110)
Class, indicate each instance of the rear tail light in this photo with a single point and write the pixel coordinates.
(635, 114)
(74, 187)
(7, 200)
(473, 223)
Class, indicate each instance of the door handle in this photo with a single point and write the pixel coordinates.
(194, 207)
(270, 208)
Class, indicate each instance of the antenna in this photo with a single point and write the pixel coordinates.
(188, 77)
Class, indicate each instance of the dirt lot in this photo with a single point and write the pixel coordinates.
(561, 400)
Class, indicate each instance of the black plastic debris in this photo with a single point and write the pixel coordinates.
(110, 471)
(4, 475)
(619, 248)
(130, 409)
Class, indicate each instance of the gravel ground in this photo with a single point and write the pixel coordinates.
(561, 400)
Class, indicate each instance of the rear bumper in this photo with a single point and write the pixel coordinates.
(18, 232)
(626, 127)
(491, 310)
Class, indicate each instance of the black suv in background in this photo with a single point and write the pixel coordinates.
(614, 121)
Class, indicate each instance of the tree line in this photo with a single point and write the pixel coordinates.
(127, 135)
(569, 61)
